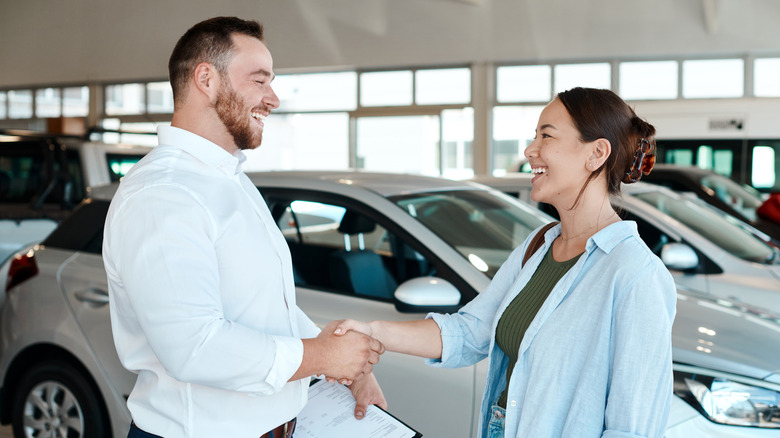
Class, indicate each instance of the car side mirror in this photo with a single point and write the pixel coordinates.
(679, 256)
(427, 294)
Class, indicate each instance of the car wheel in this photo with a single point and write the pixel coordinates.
(56, 400)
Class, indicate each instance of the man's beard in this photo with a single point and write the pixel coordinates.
(236, 119)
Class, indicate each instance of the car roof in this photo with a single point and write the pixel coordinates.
(384, 184)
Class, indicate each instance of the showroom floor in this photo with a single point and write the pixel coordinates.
(5, 432)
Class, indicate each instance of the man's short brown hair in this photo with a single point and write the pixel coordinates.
(208, 41)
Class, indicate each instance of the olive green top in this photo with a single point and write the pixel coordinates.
(523, 309)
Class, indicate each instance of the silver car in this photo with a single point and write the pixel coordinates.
(365, 246)
(705, 249)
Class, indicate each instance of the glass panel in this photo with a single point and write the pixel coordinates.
(713, 78)
(766, 77)
(317, 91)
(480, 225)
(733, 194)
(125, 99)
(75, 101)
(20, 104)
(160, 97)
(386, 88)
(3, 102)
(763, 173)
(712, 225)
(302, 141)
(513, 131)
(457, 156)
(648, 80)
(442, 86)
(405, 144)
(595, 75)
(47, 102)
(120, 164)
(704, 157)
(527, 83)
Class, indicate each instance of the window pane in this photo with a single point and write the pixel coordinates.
(302, 142)
(386, 143)
(648, 80)
(452, 85)
(47, 102)
(149, 139)
(531, 83)
(763, 173)
(457, 155)
(386, 88)
(20, 104)
(160, 97)
(513, 131)
(596, 75)
(75, 101)
(317, 91)
(3, 101)
(713, 78)
(766, 77)
(124, 99)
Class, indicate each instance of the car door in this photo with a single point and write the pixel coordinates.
(437, 402)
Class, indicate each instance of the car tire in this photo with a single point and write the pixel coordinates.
(55, 395)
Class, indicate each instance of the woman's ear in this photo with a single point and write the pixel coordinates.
(600, 152)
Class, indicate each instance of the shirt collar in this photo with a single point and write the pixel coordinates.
(204, 150)
(606, 239)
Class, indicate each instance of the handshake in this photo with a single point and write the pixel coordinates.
(348, 350)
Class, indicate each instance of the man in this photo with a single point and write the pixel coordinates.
(201, 288)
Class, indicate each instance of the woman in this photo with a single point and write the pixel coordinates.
(579, 338)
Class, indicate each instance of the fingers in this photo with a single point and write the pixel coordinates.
(360, 409)
(377, 346)
(344, 326)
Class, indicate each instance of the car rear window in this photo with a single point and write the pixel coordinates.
(82, 230)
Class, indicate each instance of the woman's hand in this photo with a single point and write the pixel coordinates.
(346, 325)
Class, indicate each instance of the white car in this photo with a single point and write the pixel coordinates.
(704, 249)
(364, 246)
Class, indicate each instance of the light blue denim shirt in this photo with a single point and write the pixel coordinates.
(597, 358)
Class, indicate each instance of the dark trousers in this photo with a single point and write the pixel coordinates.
(135, 432)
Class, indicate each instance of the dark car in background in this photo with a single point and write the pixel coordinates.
(717, 190)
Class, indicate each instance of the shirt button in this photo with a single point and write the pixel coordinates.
(513, 403)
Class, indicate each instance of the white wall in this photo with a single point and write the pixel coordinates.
(76, 41)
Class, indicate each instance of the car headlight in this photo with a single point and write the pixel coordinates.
(727, 401)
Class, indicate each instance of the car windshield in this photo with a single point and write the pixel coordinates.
(483, 226)
(711, 225)
(733, 194)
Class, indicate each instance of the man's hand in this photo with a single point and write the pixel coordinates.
(367, 392)
(347, 356)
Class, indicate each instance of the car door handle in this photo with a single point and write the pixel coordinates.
(96, 297)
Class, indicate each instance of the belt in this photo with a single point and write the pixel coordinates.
(284, 431)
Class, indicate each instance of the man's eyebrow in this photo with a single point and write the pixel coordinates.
(263, 72)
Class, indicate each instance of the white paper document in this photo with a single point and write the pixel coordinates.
(330, 413)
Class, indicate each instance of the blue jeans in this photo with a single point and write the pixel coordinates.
(496, 422)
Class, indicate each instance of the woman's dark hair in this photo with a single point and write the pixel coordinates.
(601, 113)
(208, 41)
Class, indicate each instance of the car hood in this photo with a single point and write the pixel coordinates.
(726, 336)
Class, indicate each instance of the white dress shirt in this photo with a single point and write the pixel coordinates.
(202, 296)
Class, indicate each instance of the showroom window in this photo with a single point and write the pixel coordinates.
(593, 75)
(442, 86)
(514, 129)
(387, 88)
(316, 92)
(763, 174)
(159, 97)
(3, 104)
(125, 99)
(75, 101)
(526, 83)
(649, 80)
(48, 102)
(713, 78)
(20, 104)
(766, 77)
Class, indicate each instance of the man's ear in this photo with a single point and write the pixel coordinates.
(207, 80)
(602, 148)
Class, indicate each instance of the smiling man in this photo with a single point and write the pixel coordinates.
(200, 278)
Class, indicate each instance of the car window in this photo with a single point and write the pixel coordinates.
(120, 164)
(711, 225)
(733, 194)
(483, 227)
(337, 248)
(22, 171)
